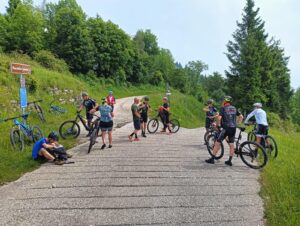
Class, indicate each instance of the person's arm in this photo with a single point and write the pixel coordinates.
(80, 108)
(249, 116)
(48, 146)
(205, 109)
(95, 107)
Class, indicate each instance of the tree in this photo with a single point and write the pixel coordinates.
(215, 85)
(296, 106)
(3, 32)
(12, 5)
(256, 64)
(146, 41)
(25, 30)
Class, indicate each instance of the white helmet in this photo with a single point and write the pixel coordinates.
(257, 105)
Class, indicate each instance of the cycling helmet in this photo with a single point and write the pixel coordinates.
(110, 92)
(146, 98)
(227, 99)
(257, 105)
(210, 101)
(53, 135)
(84, 94)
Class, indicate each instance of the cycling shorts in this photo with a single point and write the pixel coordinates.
(229, 133)
(261, 130)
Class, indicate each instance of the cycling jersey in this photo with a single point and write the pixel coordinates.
(211, 111)
(144, 109)
(228, 113)
(105, 112)
(89, 104)
(166, 105)
(260, 117)
(111, 100)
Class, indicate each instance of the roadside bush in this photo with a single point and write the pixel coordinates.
(31, 84)
(48, 60)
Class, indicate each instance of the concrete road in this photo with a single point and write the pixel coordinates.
(160, 180)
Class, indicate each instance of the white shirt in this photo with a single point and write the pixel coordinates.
(260, 117)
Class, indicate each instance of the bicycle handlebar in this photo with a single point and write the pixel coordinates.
(13, 118)
(36, 101)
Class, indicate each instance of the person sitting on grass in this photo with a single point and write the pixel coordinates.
(106, 122)
(45, 149)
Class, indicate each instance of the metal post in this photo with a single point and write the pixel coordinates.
(168, 93)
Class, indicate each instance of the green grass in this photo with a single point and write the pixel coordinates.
(13, 163)
(281, 182)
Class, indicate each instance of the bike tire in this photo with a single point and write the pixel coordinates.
(175, 125)
(93, 138)
(271, 147)
(251, 136)
(37, 133)
(40, 113)
(152, 125)
(211, 139)
(16, 139)
(253, 154)
(206, 135)
(69, 129)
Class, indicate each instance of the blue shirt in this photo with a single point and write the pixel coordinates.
(105, 112)
(260, 117)
(37, 147)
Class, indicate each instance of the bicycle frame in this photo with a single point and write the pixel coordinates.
(23, 127)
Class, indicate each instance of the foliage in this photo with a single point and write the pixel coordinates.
(48, 60)
(296, 107)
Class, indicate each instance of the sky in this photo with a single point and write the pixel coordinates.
(200, 29)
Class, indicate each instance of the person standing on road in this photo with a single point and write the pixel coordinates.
(91, 107)
(261, 121)
(211, 114)
(106, 122)
(111, 100)
(136, 119)
(227, 119)
(144, 108)
(164, 113)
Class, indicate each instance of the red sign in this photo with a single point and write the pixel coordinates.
(20, 69)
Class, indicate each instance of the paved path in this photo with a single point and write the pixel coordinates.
(161, 180)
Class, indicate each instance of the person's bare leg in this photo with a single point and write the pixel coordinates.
(110, 137)
(231, 153)
(43, 152)
(103, 137)
(217, 147)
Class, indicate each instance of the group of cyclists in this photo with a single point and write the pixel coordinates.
(226, 121)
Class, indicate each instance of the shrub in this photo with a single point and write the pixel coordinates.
(48, 60)
(31, 84)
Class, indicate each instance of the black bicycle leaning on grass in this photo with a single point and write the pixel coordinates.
(21, 130)
(38, 109)
(267, 141)
(153, 124)
(251, 153)
(71, 128)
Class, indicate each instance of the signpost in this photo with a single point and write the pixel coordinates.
(168, 93)
(21, 69)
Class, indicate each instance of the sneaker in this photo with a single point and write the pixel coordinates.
(130, 138)
(103, 146)
(229, 163)
(110, 146)
(210, 161)
(59, 162)
(144, 135)
(136, 139)
(163, 131)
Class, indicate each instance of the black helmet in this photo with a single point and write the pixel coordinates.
(53, 135)
(146, 98)
(210, 101)
(227, 99)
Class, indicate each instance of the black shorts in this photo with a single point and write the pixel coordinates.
(137, 124)
(165, 118)
(106, 126)
(229, 133)
(261, 130)
(208, 122)
(144, 118)
(89, 116)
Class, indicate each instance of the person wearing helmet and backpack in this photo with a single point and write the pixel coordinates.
(144, 108)
(261, 121)
(45, 149)
(228, 118)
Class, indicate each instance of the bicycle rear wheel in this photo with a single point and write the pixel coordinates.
(271, 147)
(93, 137)
(69, 129)
(16, 139)
(36, 133)
(211, 140)
(152, 125)
(40, 113)
(251, 136)
(253, 154)
(175, 125)
(206, 135)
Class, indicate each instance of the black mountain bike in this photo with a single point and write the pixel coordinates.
(71, 128)
(38, 109)
(153, 124)
(94, 133)
(267, 141)
(212, 128)
(251, 153)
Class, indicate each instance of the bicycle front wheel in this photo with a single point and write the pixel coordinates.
(40, 113)
(175, 125)
(16, 139)
(271, 147)
(152, 125)
(253, 154)
(93, 137)
(206, 135)
(36, 133)
(211, 141)
(69, 129)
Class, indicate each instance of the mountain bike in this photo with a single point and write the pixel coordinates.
(56, 109)
(94, 133)
(38, 109)
(267, 141)
(153, 124)
(210, 131)
(71, 128)
(252, 154)
(31, 133)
